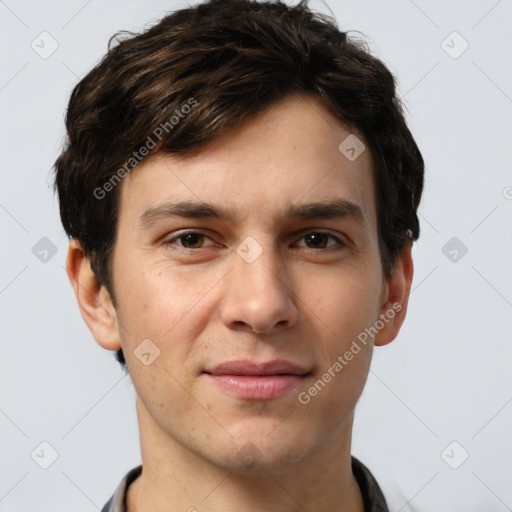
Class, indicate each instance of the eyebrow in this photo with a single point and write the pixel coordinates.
(333, 209)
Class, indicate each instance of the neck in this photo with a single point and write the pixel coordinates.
(174, 478)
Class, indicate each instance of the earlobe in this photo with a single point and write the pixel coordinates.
(93, 299)
(394, 306)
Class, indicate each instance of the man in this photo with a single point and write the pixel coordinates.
(240, 189)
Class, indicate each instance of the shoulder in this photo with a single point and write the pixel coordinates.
(374, 500)
(117, 503)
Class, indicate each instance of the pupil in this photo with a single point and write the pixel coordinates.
(192, 239)
(316, 237)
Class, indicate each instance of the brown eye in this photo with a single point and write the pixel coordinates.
(191, 240)
(319, 240)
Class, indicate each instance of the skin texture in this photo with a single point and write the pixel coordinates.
(205, 305)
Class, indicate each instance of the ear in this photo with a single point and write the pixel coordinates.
(93, 299)
(395, 298)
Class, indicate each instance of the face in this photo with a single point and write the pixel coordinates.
(236, 320)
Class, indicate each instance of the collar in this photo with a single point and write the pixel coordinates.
(374, 500)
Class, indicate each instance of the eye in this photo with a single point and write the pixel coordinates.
(319, 240)
(188, 240)
(314, 240)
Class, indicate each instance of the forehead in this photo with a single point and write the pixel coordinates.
(295, 152)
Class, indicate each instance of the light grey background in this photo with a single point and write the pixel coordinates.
(447, 377)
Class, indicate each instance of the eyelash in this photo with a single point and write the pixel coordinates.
(170, 245)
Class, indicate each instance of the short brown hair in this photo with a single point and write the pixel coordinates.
(230, 59)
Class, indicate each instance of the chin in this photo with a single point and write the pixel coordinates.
(269, 446)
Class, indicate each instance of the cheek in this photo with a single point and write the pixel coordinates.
(343, 306)
(166, 307)
(156, 298)
(344, 356)
(345, 301)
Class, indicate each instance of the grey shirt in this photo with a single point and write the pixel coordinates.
(373, 497)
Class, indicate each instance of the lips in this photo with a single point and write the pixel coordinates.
(275, 367)
(251, 380)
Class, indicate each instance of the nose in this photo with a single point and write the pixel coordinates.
(257, 295)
